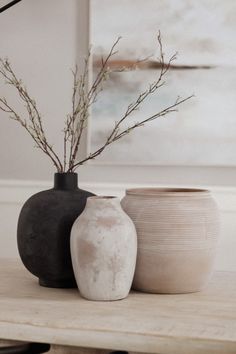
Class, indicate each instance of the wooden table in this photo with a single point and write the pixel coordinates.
(203, 322)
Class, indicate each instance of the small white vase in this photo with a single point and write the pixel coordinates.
(103, 250)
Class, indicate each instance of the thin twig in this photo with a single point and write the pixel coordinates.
(116, 134)
(7, 108)
(83, 97)
(114, 137)
(87, 98)
(33, 113)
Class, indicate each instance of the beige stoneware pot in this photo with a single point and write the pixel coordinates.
(103, 250)
(177, 233)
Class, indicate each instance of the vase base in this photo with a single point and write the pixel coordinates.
(64, 284)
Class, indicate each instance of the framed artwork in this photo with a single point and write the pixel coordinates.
(203, 131)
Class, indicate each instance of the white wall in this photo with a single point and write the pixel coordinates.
(41, 40)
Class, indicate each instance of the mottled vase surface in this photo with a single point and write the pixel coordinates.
(177, 232)
(103, 249)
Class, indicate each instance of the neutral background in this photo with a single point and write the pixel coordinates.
(43, 40)
(40, 40)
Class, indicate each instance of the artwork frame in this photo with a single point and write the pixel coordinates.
(209, 162)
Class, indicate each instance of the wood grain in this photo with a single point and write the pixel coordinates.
(203, 322)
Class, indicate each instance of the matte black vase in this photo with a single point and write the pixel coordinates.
(43, 232)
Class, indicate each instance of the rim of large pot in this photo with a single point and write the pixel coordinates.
(168, 192)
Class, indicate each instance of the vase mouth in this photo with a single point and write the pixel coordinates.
(65, 180)
(103, 197)
(106, 200)
(65, 173)
(165, 192)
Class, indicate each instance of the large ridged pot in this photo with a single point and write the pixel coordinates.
(177, 233)
(43, 232)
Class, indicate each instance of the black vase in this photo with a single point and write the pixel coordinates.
(43, 232)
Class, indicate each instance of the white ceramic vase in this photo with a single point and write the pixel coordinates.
(177, 233)
(103, 250)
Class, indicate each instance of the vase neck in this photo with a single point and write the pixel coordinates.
(103, 202)
(66, 181)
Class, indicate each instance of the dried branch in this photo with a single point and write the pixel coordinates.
(83, 97)
(116, 134)
(34, 116)
(4, 106)
(87, 97)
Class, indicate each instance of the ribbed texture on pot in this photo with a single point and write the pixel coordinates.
(177, 235)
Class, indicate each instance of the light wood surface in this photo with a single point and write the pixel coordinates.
(203, 322)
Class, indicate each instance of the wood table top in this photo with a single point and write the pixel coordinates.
(203, 322)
